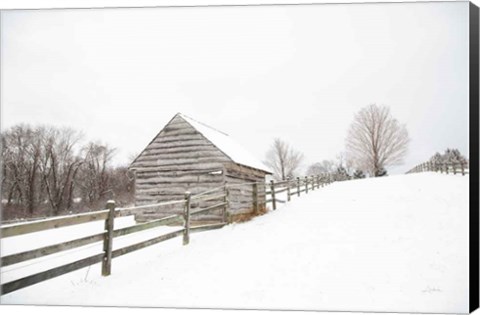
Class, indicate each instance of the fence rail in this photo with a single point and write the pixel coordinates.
(273, 189)
(453, 168)
(106, 236)
(295, 187)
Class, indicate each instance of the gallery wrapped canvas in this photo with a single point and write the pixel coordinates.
(265, 156)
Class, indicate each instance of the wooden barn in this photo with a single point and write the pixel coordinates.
(187, 155)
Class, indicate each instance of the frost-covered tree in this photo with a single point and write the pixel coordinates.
(450, 156)
(437, 158)
(341, 174)
(376, 140)
(453, 156)
(283, 160)
(358, 174)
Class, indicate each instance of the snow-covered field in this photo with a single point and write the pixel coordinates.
(398, 243)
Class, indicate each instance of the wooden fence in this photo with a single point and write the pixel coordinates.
(106, 236)
(452, 168)
(293, 187)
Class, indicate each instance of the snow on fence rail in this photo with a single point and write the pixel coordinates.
(290, 187)
(454, 168)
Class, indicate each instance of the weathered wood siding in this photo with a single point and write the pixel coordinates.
(241, 197)
(179, 159)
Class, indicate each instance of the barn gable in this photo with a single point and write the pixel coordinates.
(236, 152)
(178, 143)
(198, 137)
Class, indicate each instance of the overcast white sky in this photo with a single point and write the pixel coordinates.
(295, 72)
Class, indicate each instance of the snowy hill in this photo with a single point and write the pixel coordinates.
(398, 243)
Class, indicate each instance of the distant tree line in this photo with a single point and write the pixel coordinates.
(286, 162)
(50, 171)
(450, 156)
(339, 169)
(374, 142)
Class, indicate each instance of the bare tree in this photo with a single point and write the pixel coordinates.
(324, 167)
(122, 185)
(376, 140)
(95, 172)
(283, 160)
(60, 165)
(44, 168)
(21, 151)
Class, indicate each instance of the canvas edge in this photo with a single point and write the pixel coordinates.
(474, 159)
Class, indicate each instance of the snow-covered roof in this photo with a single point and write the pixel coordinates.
(227, 145)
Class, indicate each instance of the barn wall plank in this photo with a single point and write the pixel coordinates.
(180, 168)
(179, 159)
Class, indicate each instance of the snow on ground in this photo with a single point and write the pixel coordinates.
(398, 243)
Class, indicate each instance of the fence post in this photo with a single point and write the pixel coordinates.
(108, 239)
(186, 216)
(454, 168)
(255, 198)
(306, 184)
(298, 186)
(446, 168)
(462, 165)
(226, 201)
(288, 190)
(272, 189)
(313, 182)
